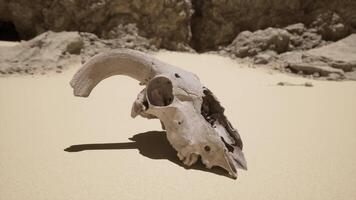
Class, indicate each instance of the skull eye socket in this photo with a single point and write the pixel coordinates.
(160, 91)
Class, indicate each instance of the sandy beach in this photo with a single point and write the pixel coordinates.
(299, 142)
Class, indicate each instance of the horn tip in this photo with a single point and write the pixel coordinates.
(77, 91)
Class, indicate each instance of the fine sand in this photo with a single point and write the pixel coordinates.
(299, 142)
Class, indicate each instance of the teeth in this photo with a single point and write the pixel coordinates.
(180, 156)
(188, 158)
(193, 159)
(207, 164)
(233, 175)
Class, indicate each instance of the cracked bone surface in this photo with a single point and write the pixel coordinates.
(189, 112)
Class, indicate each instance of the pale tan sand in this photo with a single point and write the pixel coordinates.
(300, 142)
(8, 44)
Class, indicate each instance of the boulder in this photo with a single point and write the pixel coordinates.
(250, 44)
(343, 50)
(47, 52)
(53, 51)
(217, 22)
(265, 57)
(336, 58)
(297, 29)
(302, 63)
(331, 26)
(302, 38)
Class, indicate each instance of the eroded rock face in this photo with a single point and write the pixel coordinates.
(217, 22)
(128, 37)
(167, 23)
(175, 24)
(238, 28)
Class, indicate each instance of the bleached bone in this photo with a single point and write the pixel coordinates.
(190, 113)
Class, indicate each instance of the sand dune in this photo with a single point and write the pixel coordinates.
(300, 142)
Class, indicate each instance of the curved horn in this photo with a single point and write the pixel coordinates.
(118, 62)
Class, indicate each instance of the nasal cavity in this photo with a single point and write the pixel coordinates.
(160, 91)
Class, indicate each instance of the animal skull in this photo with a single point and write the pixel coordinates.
(189, 112)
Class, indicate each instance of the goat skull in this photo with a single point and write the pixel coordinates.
(190, 113)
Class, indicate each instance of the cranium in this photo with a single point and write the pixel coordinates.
(189, 112)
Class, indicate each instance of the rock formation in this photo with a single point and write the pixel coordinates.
(333, 60)
(217, 22)
(53, 51)
(173, 24)
(238, 28)
(47, 52)
(167, 23)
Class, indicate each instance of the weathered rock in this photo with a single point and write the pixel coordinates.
(167, 22)
(128, 38)
(217, 22)
(334, 77)
(336, 58)
(293, 37)
(343, 50)
(250, 44)
(148, 25)
(52, 51)
(311, 68)
(302, 38)
(331, 26)
(297, 29)
(47, 52)
(264, 58)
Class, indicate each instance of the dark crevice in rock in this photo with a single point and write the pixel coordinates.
(8, 31)
(194, 24)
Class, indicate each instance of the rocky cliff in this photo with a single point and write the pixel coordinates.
(259, 29)
(166, 23)
(175, 24)
(217, 22)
